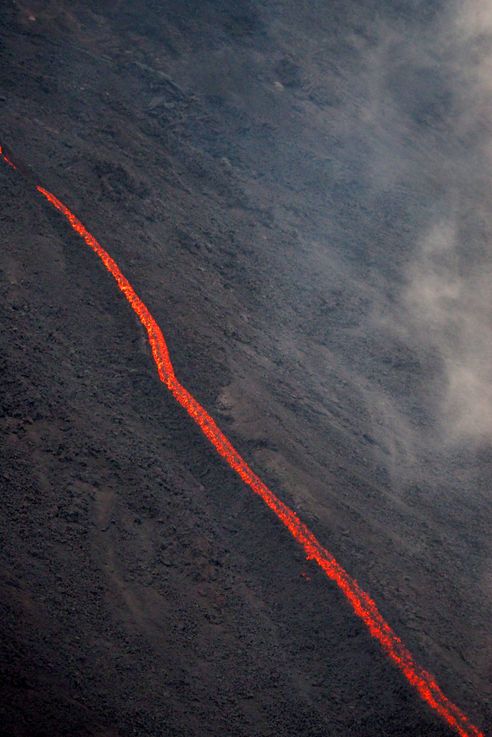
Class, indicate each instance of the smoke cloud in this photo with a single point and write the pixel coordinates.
(436, 90)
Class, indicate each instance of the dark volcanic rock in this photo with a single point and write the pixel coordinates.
(263, 173)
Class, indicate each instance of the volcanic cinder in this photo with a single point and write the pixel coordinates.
(300, 194)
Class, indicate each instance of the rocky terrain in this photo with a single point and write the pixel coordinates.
(300, 194)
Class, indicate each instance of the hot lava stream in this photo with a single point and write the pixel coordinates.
(362, 604)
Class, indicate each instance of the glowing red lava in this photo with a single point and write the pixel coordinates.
(6, 158)
(362, 604)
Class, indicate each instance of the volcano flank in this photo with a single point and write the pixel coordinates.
(293, 202)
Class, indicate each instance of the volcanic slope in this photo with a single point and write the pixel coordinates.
(145, 590)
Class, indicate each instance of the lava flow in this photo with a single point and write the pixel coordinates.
(362, 604)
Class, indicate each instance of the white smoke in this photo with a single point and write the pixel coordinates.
(448, 307)
(445, 306)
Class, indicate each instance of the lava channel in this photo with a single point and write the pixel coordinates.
(362, 604)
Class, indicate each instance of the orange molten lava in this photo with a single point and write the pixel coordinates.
(6, 158)
(361, 603)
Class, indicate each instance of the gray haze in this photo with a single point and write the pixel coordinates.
(447, 300)
(429, 108)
